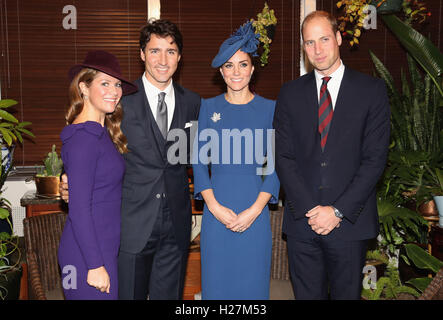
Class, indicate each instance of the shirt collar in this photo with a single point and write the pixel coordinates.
(336, 75)
(153, 91)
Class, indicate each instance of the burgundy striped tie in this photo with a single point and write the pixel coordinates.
(324, 112)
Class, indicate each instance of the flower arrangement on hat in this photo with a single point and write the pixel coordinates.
(264, 26)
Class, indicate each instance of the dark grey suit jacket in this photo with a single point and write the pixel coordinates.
(149, 175)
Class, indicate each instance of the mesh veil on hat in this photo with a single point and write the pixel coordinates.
(107, 63)
(244, 39)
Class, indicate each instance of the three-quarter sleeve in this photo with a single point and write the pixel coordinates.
(201, 160)
(271, 183)
(80, 158)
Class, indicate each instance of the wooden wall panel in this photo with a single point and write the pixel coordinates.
(39, 53)
(206, 24)
(383, 43)
(36, 52)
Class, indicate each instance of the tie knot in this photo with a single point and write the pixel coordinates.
(161, 96)
(326, 79)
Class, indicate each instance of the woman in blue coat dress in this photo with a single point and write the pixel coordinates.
(234, 139)
(91, 153)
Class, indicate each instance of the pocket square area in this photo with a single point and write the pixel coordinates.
(188, 124)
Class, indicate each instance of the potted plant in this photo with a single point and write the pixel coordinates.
(10, 271)
(265, 27)
(436, 190)
(11, 131)
(47, 179)
(416, 137)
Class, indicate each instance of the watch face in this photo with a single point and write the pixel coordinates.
(338, 213)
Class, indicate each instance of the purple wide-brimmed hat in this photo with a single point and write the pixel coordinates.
(107, 63)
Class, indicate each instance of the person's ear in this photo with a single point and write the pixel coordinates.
(84, 90)
(338, 37)
(142, 55)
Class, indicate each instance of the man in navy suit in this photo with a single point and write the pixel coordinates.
(332, 135)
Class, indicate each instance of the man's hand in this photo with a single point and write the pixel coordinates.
(99, 279)
(63, 188)
(322, 219)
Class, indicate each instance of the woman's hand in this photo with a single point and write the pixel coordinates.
(223, 214)
(244, 220)
(247, 217)
(99, 279)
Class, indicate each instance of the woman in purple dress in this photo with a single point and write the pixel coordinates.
(91, 153)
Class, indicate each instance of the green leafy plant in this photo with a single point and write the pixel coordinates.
(389, 286)
(398, 225)
(421, 48)
(8, 245)
(355, 12)
(415, 115)
(11, 132)
(11, 129)
(435, 181)
(53, 165)
(265, 22)
(423, 260)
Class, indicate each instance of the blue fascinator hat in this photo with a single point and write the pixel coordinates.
(244, 38)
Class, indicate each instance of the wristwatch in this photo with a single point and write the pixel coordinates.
(337, 213)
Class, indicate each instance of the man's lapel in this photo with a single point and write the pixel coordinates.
(339, 118)
(179, 113)
(148, 120)
(311, 95)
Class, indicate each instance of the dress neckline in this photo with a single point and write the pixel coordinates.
(238, 105)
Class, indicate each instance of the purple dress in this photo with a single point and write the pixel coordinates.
(91, 236)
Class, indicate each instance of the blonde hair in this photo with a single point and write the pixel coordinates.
(320, 14)
(76, 103)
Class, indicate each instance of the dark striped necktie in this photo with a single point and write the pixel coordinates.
(324, 112)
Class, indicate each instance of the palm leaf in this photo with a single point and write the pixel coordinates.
(6, 103)
(420, 283)
(422, 259)
(7, 116)
(421, 48)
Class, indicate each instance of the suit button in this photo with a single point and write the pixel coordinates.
(158, 195)
(323, 164)
(163, 195)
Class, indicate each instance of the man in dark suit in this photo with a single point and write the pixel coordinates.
(156, 209)
(332, 135)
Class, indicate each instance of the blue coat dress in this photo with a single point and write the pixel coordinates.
(235, 265)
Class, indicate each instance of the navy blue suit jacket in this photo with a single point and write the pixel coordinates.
(346, 173)
(148, 172)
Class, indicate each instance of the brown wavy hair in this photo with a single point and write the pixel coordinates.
(112, 120)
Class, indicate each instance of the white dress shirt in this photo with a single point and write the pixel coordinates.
(152, 92)
(333, 84)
